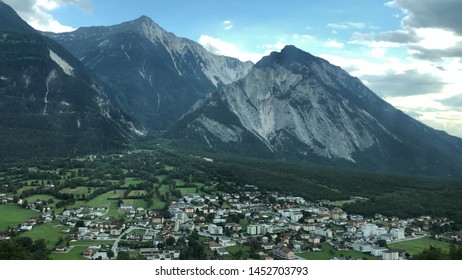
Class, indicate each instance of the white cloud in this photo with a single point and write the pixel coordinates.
(37, 13)
(372, 41)
(435, 38)
(48, 5)
(302, 37)
(418, 87)
(346, 25)
(220, 47)
(426, 109)
(273, 47)
(431, 34)
(333, 44)
(433, 28)
(360, 66)
(377, 52)
(228, 24)
(445, 120)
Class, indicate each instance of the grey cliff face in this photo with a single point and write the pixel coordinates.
(295, 104)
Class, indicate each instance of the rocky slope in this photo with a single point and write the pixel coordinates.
(294, 104)
(49, 103)
(156, 76)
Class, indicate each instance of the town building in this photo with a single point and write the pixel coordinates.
(215, 230)
(283, 252)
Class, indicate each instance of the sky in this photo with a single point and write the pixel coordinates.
(409, 52)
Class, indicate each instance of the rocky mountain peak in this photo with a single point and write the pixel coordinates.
(144, 19)
(298, 105)
(156, 75)
(144, 25)
(289, 57)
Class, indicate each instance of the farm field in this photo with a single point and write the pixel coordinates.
(137, 193)
(16, 215)
(114, 210)
(137, 203)
(43, 197)
(186, 191)
(90, 242)
(157, 203)
(328, 252)
(132, 181)
(179, 182)
(240, 250)
(76, 191)
(77, 247)
(50, 232)
(21, 190)
(101, 200)
(418, 245)
(74, 254)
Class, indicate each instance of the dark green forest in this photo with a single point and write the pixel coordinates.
(23, 248)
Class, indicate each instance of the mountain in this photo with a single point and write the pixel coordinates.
(155, 75)
(50, 104)
(293, 104)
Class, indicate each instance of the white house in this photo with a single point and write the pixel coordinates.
(323, 232)
(390, 256)
(351, 229)
(102, 236)
(227, 241)
(180, 216)
(94, 247)
(215, 230)
(253, 229)
(83, 230)
(309, 227)
(26, 227)
(126, 208)
(295, 227)
(378, 252)
(362, 247)
(369, 230)
(397, 233)
(222, 251)
(283, 252)
(314, 240)
(174, 253)
(295, 216)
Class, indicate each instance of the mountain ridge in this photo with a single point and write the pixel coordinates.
(294, 104)
(156, 75)
(48, 99)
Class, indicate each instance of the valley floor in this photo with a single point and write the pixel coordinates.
(155, 204)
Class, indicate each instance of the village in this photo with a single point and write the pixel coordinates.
(249, 224)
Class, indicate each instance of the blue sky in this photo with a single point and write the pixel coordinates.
(407, 51)
(249, 24)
